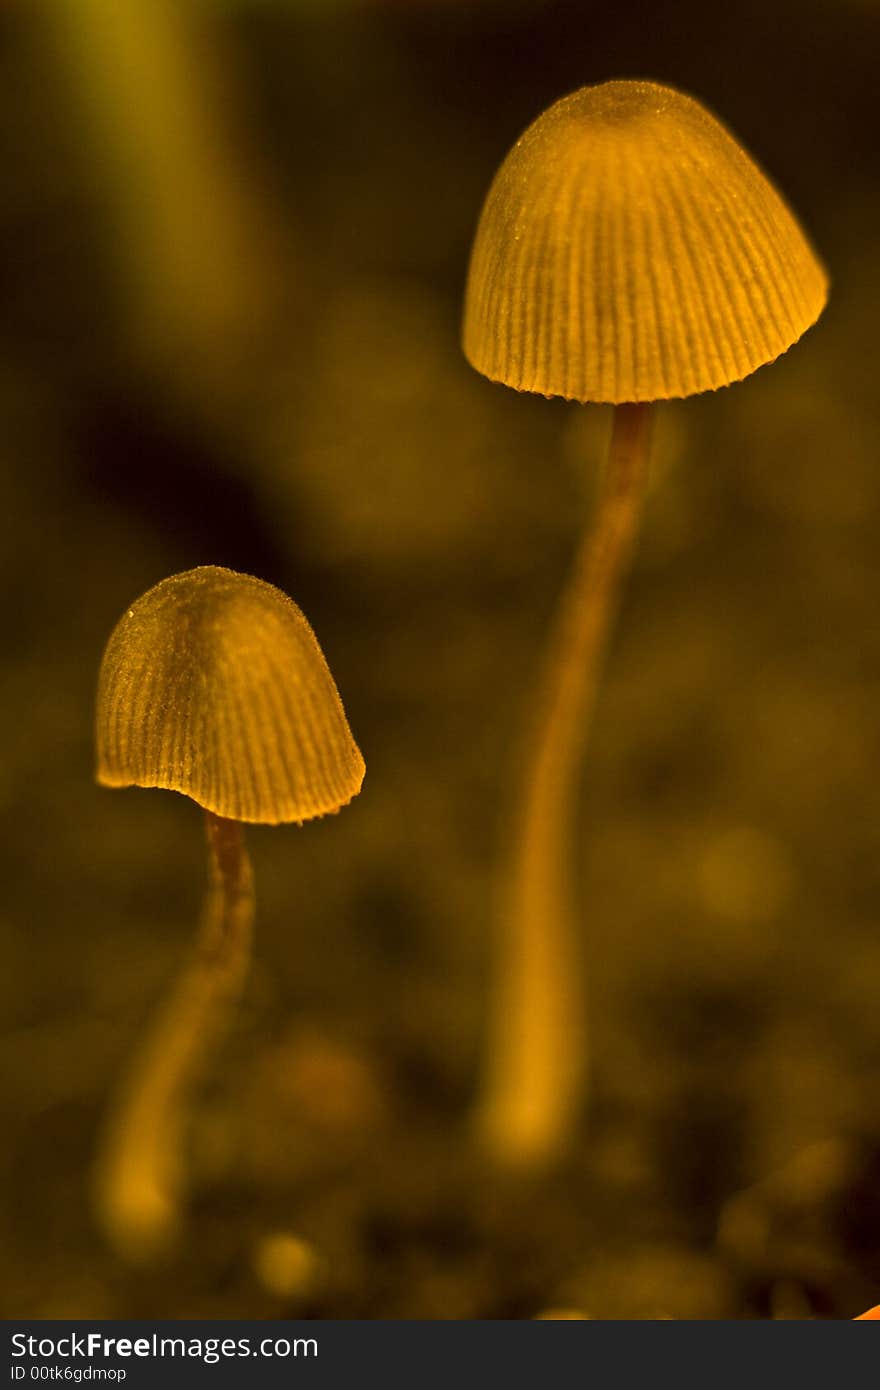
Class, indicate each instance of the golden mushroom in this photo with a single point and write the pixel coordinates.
(212, 684)
(629, 251)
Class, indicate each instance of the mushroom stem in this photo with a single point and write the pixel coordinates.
(140, 1162)
(535, 1079)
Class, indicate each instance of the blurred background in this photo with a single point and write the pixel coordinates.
(234, 240)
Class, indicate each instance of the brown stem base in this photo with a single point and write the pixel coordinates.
(535, 1076)
(139, 1169)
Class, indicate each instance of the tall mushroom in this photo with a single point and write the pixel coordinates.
(212, 684)
(628, 251)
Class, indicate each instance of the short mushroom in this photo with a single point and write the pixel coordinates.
(213, 685)
(628, 251)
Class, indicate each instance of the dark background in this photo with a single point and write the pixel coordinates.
(233, 241)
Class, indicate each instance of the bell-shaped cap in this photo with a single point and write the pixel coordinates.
(213, 684)
(630, 250)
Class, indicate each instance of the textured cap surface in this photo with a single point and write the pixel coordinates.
(213, 684)
(630, 250)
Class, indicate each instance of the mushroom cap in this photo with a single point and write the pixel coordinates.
(213, 685)
(630, 250)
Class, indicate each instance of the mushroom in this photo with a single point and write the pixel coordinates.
(212, 684)
(629, 251)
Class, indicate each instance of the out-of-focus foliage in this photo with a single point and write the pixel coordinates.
(337, 445)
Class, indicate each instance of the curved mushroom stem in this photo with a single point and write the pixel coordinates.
(535, 1079)
(138, 1177)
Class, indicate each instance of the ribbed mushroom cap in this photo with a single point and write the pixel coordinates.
(213, 684)
(630, 250)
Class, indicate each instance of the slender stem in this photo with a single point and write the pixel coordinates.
(139, 1173)
(535, 1079)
